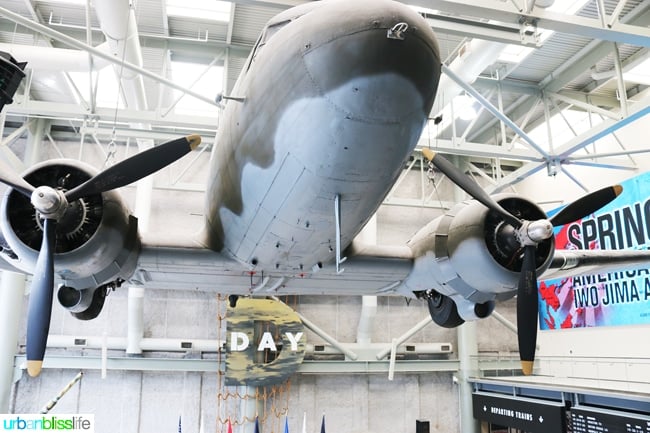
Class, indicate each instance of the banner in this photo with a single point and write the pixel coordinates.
(265, 343)
(616, 298)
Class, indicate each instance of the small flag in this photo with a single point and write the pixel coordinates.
(229, 426)
(322, 425)
(286, 424)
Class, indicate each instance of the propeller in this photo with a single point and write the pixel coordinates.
(10, 178)
(528, 234)
(40, 300)
(51, 204)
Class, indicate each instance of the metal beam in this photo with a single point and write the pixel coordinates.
(584, 59)
(479, 29)
(466, 148)
(507, 86)
(505, 12)
(492, 109)
(199, 48)
(67, 362)
(608, 126)
(636, 111)
(585, 106)
(55, 110)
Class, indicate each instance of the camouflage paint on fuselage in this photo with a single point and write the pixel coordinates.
(332, 106)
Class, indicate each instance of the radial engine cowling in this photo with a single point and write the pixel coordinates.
(97, 239)
(472, 256)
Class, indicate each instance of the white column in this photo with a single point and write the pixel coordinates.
(12, 291)
(467, 353)
(135, 321)
(368, 303)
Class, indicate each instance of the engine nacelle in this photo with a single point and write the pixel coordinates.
(471, 255)
(97, 240)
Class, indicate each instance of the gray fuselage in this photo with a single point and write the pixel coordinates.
(332, 106)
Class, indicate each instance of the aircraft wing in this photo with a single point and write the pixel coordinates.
(370, 272)
(570, 263)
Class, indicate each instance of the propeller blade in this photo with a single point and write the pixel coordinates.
(586, 205)
(136, 167)
(40, 300)
(469, 186)
(9, 177)
(527, 310)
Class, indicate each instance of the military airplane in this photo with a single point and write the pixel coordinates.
(329, 105)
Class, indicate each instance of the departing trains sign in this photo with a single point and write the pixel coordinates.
(530, 415)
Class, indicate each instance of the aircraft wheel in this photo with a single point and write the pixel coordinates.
(96, 305)
(443, 310)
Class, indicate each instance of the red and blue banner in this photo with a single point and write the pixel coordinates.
(615, 298)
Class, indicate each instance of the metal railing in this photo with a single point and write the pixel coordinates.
(618, 374)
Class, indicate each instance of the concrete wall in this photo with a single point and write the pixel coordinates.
(133, 401)
(153, 401)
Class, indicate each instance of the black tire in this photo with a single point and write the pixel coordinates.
(443, 310)
(96, 305)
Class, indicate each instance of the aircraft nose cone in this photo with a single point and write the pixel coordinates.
(384, 70)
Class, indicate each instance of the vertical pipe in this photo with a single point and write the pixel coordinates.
(12, 290)
(547, 119)
(35, 141)
(618, 67)
(467, 353)
(468, 364)
(367, 319)
(135, 329)
(622, 91)
(368, 303)
(617, 12)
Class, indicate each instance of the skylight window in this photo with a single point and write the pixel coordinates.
(73, 2)
(203, 79)
(639, 74)
(108, 93)
(580, 121)
(569, 7)
(200, 9)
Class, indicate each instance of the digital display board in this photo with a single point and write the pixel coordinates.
(594, 420)
(530, 415)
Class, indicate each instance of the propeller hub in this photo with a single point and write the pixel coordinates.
(532, 233)
(49, 202)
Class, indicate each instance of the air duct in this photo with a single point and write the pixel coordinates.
(474, 57)
(53, 59)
